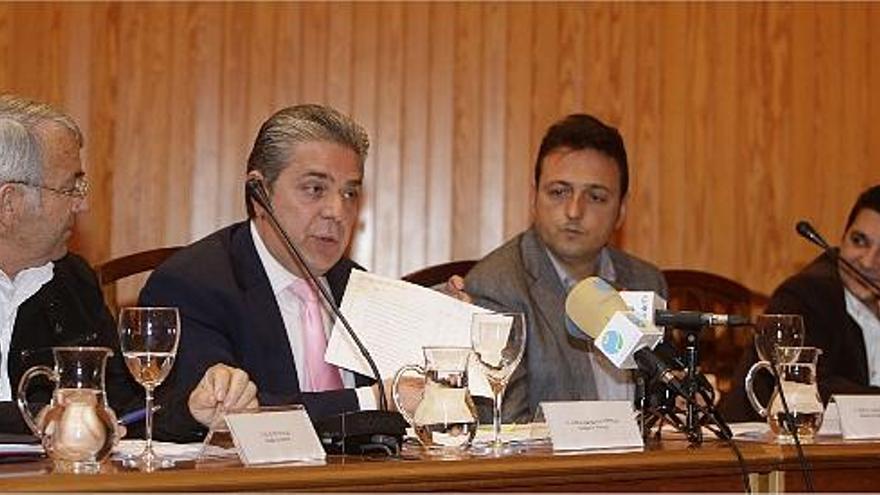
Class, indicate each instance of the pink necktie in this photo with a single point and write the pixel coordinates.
(319, 374)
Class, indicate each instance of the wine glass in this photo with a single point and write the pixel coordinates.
(498, 341)
(777, 331)
(148, 340)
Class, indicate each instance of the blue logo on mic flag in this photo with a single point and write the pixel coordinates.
(611, 342)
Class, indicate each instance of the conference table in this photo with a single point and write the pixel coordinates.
(668, 465)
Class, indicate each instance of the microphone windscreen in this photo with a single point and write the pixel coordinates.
(591, 303)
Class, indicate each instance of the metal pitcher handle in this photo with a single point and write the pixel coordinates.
(21, 399)
(395, 392)
(750, 387)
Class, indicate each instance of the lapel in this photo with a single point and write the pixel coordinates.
(545, 288)
(851, 336)
(261, 316)
(548, 296)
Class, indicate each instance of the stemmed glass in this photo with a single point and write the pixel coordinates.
(778, 331)
(148, 340)
(498, 341)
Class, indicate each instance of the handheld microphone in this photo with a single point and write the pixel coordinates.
(598, 310)
(366, 430)
(806, 230)
(628, 340)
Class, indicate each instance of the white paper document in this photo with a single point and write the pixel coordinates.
(175, 451)
(394, 319)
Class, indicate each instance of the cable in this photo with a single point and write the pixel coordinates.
(669, 413)
(790, 425)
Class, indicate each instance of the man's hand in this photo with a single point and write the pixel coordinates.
(222, 388)
(455, 288)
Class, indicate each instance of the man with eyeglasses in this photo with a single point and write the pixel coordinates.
(48, 297)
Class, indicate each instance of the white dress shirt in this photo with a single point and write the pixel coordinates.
(612, 383)
(13, 293)
(291, 308)
(870, 326)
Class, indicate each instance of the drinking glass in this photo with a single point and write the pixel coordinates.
(778, 331)
(498, 341)
(148, 340)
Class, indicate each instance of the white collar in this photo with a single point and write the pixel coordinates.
(280, 278)
(860, 312)
(25, 283)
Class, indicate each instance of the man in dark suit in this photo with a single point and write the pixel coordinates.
(253, 325)
(841, 315)
(578, 200)
(48, 297)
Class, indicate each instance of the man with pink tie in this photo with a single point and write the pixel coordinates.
(252, 321)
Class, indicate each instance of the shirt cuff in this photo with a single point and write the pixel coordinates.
(366, 398)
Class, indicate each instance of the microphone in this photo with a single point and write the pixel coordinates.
(697, 319)
(806, 230)
(598, 310)
(629, 339)
(369, 431)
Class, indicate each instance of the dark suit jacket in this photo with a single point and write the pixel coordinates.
(68, 310)
(229, 315)
(816, 292)
(519, 276)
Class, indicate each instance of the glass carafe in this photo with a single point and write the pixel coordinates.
(77, 428)
(797, 375)
(445, 419)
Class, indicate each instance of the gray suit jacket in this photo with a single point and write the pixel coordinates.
(519, 276)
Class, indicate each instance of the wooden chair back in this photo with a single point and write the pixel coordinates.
(720, 348)
(114, 270)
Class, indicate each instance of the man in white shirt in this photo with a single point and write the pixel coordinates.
(246, 303)
(48, 297)
(841, 314)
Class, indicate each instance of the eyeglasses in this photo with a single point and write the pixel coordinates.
(79, 190)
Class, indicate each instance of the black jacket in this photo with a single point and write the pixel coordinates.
(229, 315)
(68, 310)
(816, 292)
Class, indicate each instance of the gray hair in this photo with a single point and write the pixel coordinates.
(290, 126)
(21, 157)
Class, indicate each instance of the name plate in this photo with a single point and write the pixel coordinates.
(275, 437)
(591, 425)
(859, 416)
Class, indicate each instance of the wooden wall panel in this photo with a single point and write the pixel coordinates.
(739, 118)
